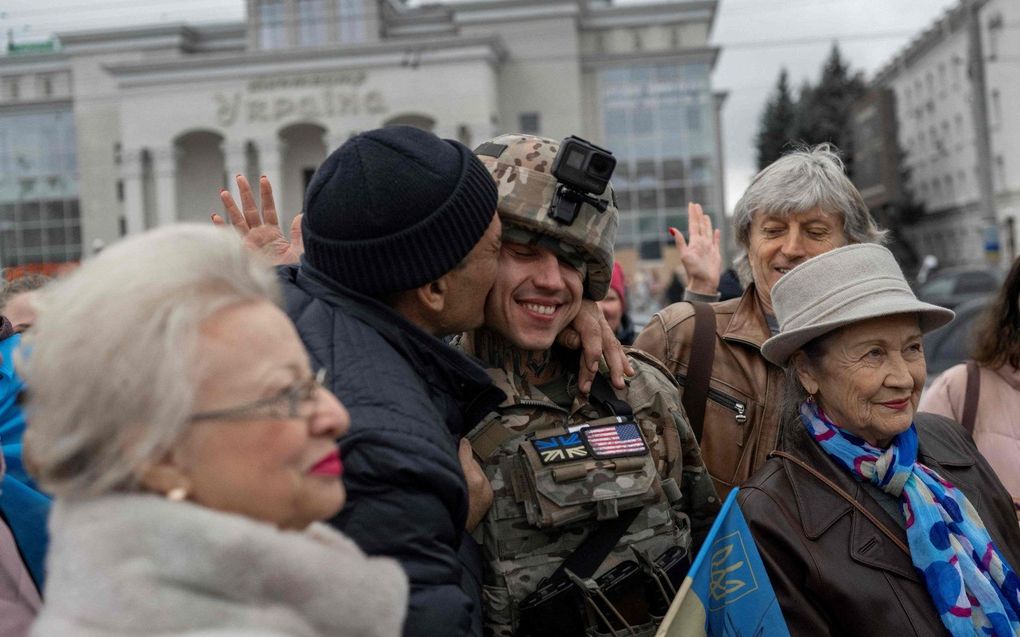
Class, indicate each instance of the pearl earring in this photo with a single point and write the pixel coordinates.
(177, 494)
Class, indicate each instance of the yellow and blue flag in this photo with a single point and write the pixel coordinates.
(726, 592)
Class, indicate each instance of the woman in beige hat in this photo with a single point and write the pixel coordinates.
(873, 519)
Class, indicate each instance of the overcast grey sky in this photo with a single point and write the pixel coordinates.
(758, 37)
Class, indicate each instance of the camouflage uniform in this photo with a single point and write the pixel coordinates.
(542, 512)
(519, 554)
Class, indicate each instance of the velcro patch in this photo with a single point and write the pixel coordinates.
(615, 441)
(560, 448)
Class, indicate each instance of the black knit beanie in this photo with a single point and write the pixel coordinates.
(395, 208)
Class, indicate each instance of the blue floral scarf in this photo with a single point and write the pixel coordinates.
(974, 590)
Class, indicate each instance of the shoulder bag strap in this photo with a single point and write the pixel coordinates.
(970, 400)
(590, 554)
(699, 366)
(846, 496)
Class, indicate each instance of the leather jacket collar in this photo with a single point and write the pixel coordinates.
(820, 507)
(748, 325)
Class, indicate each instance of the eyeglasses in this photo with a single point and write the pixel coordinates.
(295, 401)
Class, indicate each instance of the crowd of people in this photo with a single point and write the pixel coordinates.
(414, 415)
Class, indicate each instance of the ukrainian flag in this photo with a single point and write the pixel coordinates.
(727, 592)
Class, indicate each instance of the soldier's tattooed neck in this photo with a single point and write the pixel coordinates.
(534, 367)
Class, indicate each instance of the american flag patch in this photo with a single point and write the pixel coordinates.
(560, 448)
(614, 441)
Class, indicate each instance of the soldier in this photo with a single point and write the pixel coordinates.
(595, 499)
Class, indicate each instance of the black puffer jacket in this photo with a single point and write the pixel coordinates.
(410, 397)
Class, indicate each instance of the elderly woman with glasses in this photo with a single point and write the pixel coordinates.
(191, 451)
(871, 518)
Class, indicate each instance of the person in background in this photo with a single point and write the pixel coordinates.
(729, 285)
(23, 506)
(996, 356)
(872, 518)
(17, 298)
(190, 447)
(799, 206)
(19, 596)
(614, 307)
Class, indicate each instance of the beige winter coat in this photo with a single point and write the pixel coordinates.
(997, 425)
(140, 565)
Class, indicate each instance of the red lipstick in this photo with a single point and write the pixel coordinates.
(330, 465)
(897, 405)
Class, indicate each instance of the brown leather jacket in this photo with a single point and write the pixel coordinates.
(833, 570)
(741, 417)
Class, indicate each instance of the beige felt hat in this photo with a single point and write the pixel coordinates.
(846, 285)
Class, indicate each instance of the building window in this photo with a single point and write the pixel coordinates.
(996, 109)
(1000, 173)
(11, 88)
(39, 216)
(272, 24)
(44, 84)
(994, 36)
(464, 134)
(658, 119)
(353, 21)
(311, 16)
(530, 123)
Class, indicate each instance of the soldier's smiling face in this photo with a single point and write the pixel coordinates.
(536, 295)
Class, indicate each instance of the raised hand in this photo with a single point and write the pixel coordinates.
(261, 230)
(700, 254)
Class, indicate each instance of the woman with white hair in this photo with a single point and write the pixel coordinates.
(190, 451)
(872, 518)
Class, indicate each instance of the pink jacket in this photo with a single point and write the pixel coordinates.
(19, 599)
(997, 424)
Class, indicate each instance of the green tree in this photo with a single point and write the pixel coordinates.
(823, 110)
(776, 129)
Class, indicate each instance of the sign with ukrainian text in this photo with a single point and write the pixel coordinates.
(727, 592)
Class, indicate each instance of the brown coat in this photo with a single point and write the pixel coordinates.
(741, 417)
(833, 570)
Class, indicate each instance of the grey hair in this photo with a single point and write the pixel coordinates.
(111, 363)
(793, 392)
(799, 181)
(25, 283)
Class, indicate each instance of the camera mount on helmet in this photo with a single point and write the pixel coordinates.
(581, 168)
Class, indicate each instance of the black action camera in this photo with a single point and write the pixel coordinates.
(582, 168)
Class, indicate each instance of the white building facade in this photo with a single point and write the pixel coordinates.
(163, 117)
(939, 126)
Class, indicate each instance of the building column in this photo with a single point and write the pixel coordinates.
(131, 175)
(335, 139)
(235, 162)
(164, 167)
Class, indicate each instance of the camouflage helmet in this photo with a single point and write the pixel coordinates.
(521, 166)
